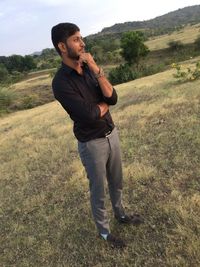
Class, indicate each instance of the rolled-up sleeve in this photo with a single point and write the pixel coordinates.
(111, 100)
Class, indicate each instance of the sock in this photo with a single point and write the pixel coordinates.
(104, 236)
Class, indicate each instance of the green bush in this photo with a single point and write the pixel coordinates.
(121, 74)
(17, 76)
(175, 45)
(7, 97)
(3, 73)
(197, 43)
(29, 101)
(53, 72)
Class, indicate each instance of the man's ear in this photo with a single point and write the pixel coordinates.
(62, 47)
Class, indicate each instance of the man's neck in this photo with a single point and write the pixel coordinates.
(74, 64)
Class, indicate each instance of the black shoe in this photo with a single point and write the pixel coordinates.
(134, 219)
(115, 242)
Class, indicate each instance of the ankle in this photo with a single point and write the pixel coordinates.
(104, 236)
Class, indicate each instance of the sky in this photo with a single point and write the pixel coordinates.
(25, 25)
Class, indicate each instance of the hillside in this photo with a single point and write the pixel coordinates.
(42, 180)
(187, 35)
(177, 18)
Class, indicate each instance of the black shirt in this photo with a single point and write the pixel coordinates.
(79, 96)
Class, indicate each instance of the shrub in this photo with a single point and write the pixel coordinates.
(17, 76)
(3, 73)
(7, 97)
(197, 43)
(175, 45)
(189, 75)
(52, 73)
(29, 101)
(121, 74)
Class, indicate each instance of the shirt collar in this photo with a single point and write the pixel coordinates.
(67, 69)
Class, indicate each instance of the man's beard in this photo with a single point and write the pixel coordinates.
(71, 53)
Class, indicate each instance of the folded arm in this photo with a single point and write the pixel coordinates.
(78, 108)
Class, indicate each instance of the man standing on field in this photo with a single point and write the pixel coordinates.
(84, 92)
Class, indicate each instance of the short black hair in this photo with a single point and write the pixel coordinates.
(62, 31)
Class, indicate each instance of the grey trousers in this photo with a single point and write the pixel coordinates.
(102, 160)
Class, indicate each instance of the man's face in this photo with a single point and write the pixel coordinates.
(75, 46)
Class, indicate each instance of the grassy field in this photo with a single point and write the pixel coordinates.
(187, 35)
(32, 92)
(45, 217)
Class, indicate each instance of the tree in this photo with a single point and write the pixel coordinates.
(28, 63)
(133, 47)
(48, 53)
(109, 45)
(3, 73)
(89, 43)
(15, 63)
(97, 52)
(19, 63)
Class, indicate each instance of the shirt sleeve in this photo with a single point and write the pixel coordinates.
(75, 105)
(111, 100)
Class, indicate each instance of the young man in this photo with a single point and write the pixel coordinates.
(84, 92)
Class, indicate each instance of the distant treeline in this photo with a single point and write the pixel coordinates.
(17, 63)
(14, 68)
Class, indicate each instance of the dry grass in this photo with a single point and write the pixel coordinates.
(45, 212)
(32, 92)
(40, 80)
(186, 35)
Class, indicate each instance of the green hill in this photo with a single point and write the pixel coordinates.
(42, 181)
(174, 19)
